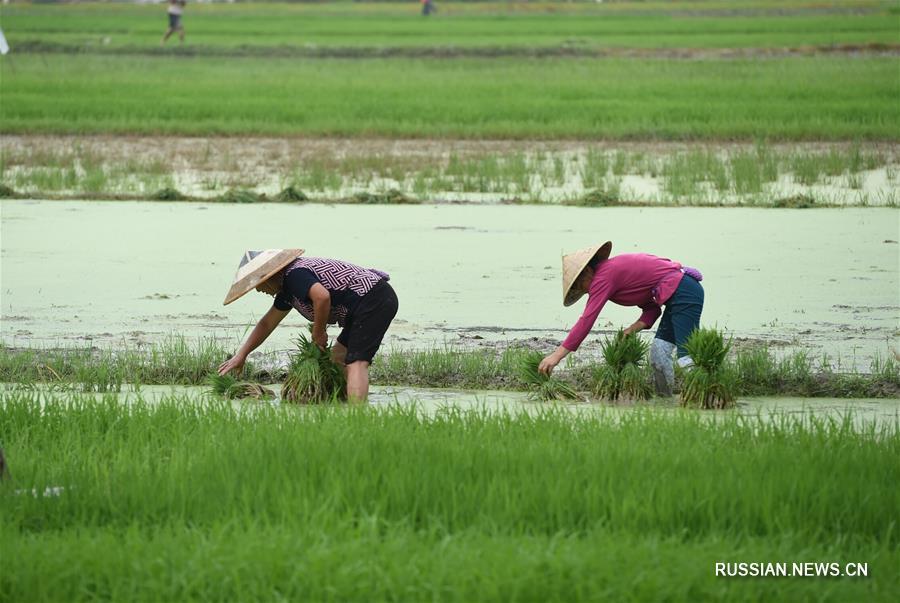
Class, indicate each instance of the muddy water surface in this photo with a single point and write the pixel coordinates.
(862, 413)
(128, 273)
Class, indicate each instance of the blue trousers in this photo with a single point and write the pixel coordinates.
(682, 314)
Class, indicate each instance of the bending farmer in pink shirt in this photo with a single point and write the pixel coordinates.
(633, 279)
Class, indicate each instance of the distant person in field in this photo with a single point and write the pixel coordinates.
(324, 291)
(428, 7)
(176, 8)
(634, 279)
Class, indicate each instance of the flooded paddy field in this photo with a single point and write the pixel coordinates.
(753, 139)
(458, 171)
(863, 414)
(78, 272)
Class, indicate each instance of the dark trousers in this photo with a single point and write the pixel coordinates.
(682, 314)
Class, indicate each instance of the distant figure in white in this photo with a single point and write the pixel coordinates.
(176, 8)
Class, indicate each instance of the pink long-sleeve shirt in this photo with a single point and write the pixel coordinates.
(627, 280)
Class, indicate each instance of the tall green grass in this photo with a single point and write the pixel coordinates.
(185, 501)
(175, 360)
(842, 98)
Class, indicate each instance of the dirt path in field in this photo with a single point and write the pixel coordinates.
(577, 50)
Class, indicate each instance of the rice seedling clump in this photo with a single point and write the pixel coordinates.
(231, 388)
(313, 377)
(540, 386)
(291, 194)
(710, 383)
(168, 194)
(623, 376)
(239, 196)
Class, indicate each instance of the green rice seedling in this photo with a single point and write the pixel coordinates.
(767, 162)
(595, 198)
(100, 376)
(595, 168)
(795, 202)
(313, 377)
(391, 197)
(807, 168)
(543, 387)
(518, 172)
(291, 194)
(559, 170)
(682, 174)
(239, 196)
(623, 375)
(855, 180)
(231, 388)
(710, 383)
(746, 173)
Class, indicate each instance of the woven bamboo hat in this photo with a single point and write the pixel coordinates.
(572, 266)
(257, 267)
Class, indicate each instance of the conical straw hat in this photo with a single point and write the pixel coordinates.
(257, 267)
(574, 263)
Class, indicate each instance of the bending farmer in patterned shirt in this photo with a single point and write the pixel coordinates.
(325, 292)
(633, 279)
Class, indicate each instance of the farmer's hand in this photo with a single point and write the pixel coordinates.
(549, 363)
(235, 363)
(320, 338)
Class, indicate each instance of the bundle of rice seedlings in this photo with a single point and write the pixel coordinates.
(230, 387)
(540, 386)
(313, 377)
(168, 194)
(623, 376)
(291, 194)
(239, 196)
(710, 383)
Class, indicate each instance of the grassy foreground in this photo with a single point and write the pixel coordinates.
(185, 502)
(791, 99)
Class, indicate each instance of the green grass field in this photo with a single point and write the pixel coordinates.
(186, 501)
(90, 69)
(792, 99)
(716, 24)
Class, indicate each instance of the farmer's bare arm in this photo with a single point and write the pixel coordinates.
(549, 363)
(638, 325)
(321, 301)
(260, 332)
